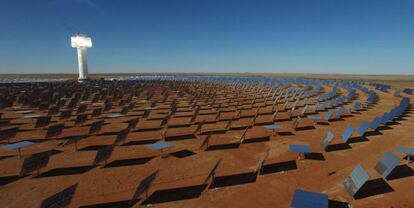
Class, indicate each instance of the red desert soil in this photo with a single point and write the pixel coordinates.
(188, 165)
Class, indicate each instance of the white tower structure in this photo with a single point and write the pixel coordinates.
(82, 42)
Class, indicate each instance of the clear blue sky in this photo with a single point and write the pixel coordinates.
(311, 36)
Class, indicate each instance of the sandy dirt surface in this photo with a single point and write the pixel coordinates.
(397, 81)
(182, 178)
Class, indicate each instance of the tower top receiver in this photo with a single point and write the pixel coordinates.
(79, 40)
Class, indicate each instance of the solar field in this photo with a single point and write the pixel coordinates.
(206, 141)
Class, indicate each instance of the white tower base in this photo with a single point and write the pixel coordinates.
(83, 64)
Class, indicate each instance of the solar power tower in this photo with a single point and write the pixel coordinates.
(81, 43)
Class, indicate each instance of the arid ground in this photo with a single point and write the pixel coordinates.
(187, 115)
